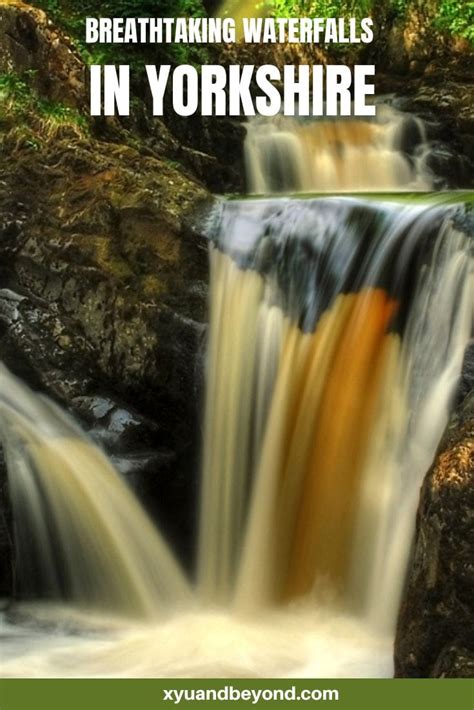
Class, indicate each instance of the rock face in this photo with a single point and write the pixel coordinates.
(435, 635)
(103, 283)
(448, 115)
(33, 47)
(103, 280)
(29, 42)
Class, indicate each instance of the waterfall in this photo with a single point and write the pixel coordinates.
(337, 334)
(286, 154)
(337, 331)
(80, 532)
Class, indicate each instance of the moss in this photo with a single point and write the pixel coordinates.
(151, 287)
(21, 106)
(107, 260)
(453, 197)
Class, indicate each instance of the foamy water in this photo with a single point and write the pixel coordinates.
(298, 643)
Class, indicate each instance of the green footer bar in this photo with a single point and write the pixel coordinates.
(152, 694)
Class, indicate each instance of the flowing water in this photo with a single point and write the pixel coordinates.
(337, 333)
(389, 152)
(337, 336)
(79, 533)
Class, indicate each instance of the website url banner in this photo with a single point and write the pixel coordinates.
(126, 694)
(249, 695)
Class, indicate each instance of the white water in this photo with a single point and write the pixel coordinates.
(297, 643)
(234, 624)
(79, 530)
(388, 153)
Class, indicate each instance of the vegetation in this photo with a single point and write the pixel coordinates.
(21, 106)
(455, 17)
(71, 14)
(319, 8)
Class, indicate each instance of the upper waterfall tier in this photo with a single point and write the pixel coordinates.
(389, 152)
(311, 250)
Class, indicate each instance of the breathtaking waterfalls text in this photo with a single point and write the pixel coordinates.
(236, 89)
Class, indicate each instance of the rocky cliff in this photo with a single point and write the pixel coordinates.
(103, 275)
(435, 636)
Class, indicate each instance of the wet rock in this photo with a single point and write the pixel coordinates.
(435, 628)
(139, 450)
(450, 168)
(412, 136)
(454, 662)
(115, 426)
(466, 384)
(32, 344)
(214, 148)
(446, 112)
(467, 141)
(103, 308)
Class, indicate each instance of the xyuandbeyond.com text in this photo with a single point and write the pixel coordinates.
(251, 695)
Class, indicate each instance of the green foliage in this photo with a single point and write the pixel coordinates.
(19, 103)
(122, 8)
(398, 7)
(149, 8)
(70, 15)
(457, 17)
(14, 90)
(320, 8)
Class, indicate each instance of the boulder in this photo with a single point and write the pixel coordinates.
(435, 634)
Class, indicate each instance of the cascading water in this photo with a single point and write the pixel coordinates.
(80, 533)
(389, 152)
(337, 333)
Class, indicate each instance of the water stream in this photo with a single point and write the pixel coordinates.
(337, 333)
(388, 152)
